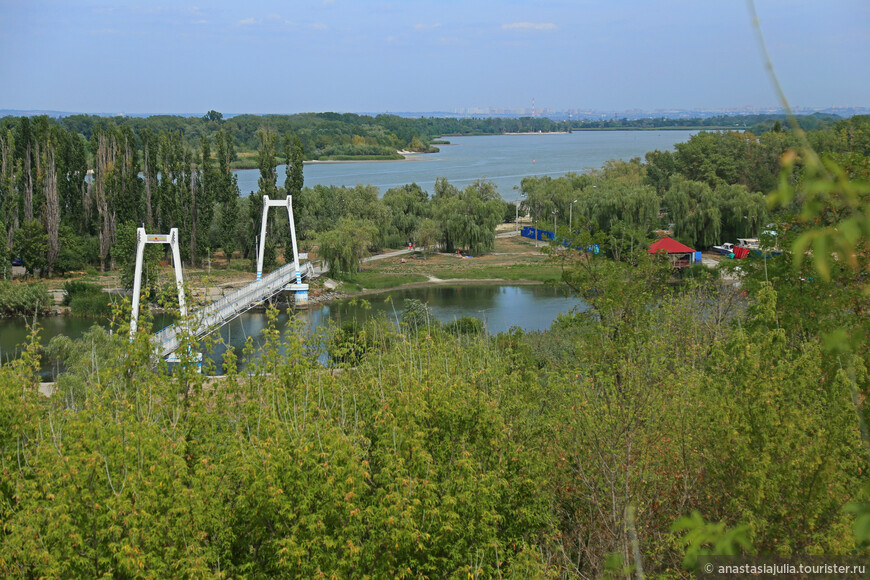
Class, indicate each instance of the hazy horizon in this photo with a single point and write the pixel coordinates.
(270, 57)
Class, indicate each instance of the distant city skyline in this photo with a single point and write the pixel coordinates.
(266, 56)
(575, 114)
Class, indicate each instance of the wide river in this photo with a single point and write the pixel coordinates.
(502, 159)
(499, 307)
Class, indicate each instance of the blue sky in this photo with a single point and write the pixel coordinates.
(257, 56)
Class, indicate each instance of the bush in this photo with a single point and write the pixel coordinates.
(76, 287)
(465, 325)
(416, 316)
(91, 305)
(26, 299)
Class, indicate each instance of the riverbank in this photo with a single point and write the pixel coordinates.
(248, 159)
(514, 260)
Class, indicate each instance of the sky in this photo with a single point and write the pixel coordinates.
(265, 56)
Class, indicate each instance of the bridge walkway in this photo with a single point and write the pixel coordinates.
(232, 305)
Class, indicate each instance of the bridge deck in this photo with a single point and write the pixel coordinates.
(232, 305)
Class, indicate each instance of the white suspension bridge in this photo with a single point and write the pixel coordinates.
(203, 321)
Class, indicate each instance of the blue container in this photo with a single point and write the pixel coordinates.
(697, 257)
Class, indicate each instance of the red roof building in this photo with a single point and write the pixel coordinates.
(681, 255)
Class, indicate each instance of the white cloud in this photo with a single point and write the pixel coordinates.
(529, 26)
(425, 26)
(319, 26)
(247, 21)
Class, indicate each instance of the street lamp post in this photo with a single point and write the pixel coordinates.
(554, 223)
(571, 214)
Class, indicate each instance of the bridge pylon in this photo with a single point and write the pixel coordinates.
(143, 238)
(300, 290)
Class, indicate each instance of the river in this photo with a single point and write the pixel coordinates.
(501, 159)
(531, 308)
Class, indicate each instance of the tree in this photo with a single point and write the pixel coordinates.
(694, 212)
(5, 264)
(52, 200)
(468, 219)
(427, 235)
(343, 247)
(409, 204)
(125, 248)
(213, 116)
(295, 156)
(31, 245)
(209, 181)
(227, 194)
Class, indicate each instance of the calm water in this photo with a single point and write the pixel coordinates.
(499, 307)
(502, 159)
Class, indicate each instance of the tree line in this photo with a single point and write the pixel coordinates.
(711, 189)
(72, 200)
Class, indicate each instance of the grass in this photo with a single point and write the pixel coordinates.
(379, 280)
(511, 259)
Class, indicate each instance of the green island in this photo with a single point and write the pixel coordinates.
(705, 410)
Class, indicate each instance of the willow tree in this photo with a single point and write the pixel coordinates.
(694, 211)
(743, 213)
(468, 218)
(343, 247)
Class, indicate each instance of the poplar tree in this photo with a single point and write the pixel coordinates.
(295, 155)
(227, 193)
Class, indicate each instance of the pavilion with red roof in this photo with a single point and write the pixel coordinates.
(681, 255)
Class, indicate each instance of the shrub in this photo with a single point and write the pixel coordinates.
(28, 299)
(77, 287)
(416, 316)
(91, 305)
(464, 325)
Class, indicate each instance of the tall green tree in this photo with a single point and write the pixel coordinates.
(344, 246)
(227, 194)
(294, 155)
(31, 245)
(468, 218)
(694, 211)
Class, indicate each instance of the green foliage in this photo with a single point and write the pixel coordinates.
(427, 235)
(701, 538)
(343, 247)
(5, 258)
(409, 206)
(464, 325)
(72, 288)
(23, 299)
(92, 305)
(76, 252)
(468, 218)
(354, 340)
(125, 249)
(31, 244)
(417, 316)
(294, 155)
